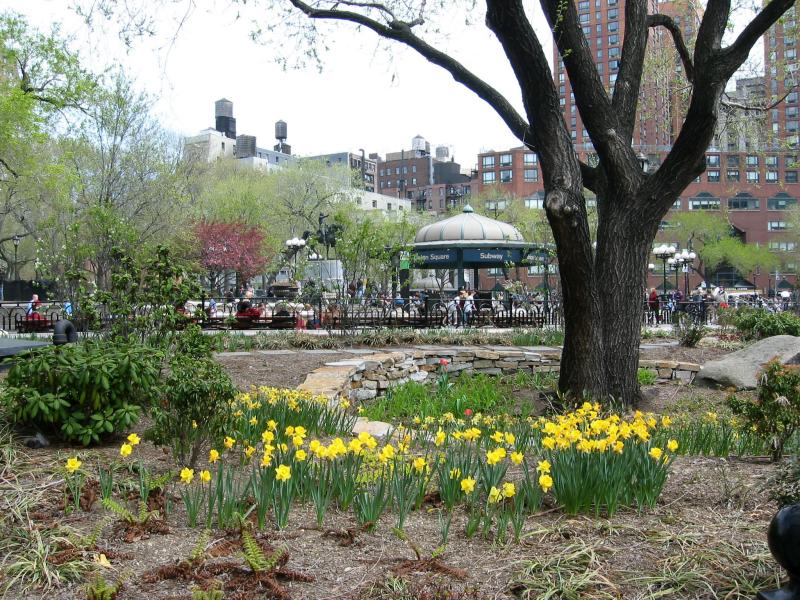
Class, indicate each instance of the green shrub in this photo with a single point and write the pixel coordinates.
(647, 376)
(757, 323)
(83, 392)
(688, 331)
(194, 409)
(775, 414)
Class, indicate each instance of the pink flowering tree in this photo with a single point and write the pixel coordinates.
(230, 247)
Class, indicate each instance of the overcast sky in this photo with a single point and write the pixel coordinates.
(362, 99)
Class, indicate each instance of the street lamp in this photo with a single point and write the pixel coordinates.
(683, 259)
(664, 253)
(643, 161)
(16, 239)
(293, 246)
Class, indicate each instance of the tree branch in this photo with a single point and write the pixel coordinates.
(401, 32)
(736, 53)
(8, 168)
(668, 23)
(629, 79)
(753, 107)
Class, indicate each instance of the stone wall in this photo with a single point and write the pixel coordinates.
(370, 376)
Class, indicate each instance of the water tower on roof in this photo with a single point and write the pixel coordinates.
(420, 146)
(442, 153)
(223, 116)
(281, 133)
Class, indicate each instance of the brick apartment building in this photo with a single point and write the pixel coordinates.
(752, 167)
(433, 183)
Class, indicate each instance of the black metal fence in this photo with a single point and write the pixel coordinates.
(348, 314)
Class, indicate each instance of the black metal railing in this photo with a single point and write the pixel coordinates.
(354, 313)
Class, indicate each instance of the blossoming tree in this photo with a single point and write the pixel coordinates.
(230, 247)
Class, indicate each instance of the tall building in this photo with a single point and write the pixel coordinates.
(752, 166)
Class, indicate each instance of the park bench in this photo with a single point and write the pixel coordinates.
(34, 325)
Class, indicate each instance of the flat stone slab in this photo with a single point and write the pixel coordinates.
(320, 351)
(377, 429)
(276, 352)
(226, 354)
(740, 369)
(358, 351)
(345, 363)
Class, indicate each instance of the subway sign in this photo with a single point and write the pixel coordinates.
(492, 256)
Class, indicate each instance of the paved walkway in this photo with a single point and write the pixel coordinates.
(377, 350)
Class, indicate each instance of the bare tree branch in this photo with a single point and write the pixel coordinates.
(668, 23)
(401, 32)
(629, 78)
(8, 168)
(725, 102)
(737, 53)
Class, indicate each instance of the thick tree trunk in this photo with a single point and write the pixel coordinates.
(582, 370)
(623, 247)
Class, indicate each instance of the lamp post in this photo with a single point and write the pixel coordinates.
(643, 161)
(16, 239)
(293, 246)
(664, 253)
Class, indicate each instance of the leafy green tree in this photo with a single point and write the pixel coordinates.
(710, 234)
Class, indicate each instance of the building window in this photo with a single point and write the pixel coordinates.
(413, 168)
(782, 246)
(613, 40)
(495, 272)
(388, 206)
(529, 158)
(771, 161)
(777, 226)
(381, 173)
(505, 175)
(712, 160)
(489, 177)
(413, 181)
(772, 177)
(782, 201)
(374, 204)
(704, 202)
(712, 176)
(488, 162)
(791, 176)
(752, 160)
(496, 205)
(732, 175)
(743, 202)
(505, 160)
(536, 270)
(732, 159)
(536, 202)
(752, 176)
(531, 175)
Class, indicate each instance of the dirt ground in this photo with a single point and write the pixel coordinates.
(705, 539)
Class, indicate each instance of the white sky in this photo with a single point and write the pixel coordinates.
(360, 100)
(364, 98)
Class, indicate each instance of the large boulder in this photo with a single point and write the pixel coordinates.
(740, 369)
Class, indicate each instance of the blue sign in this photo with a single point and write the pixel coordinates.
(492, 255)
(437, 257)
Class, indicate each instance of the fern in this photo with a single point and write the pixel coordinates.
(253, 554)
(207, 595)
(100, 589)
(119, 510)
(199, 550)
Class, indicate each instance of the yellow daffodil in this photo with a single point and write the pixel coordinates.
(73, 464)
(455, 473)
(213, 456)
(509, 489)
(545, 482)
(194, 424)
(266, 460)
(666, 421)
(543, 466)
(419, 464)
(441, 436)
(497, 436)
(468, 485)
(300, 455)
(205, 476)
(253, 421)
(272, 425)
(134, 439)
(125, 450)
(655, 453)
(509, 438)
(229, 442)
(517, 458)
(283, 473)
(187, 475)
(495, 495)
(672, 445)
(249, 451)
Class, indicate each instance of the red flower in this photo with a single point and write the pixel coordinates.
(467, 412)
(443, 362)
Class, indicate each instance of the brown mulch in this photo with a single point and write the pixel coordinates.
(275, 370)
